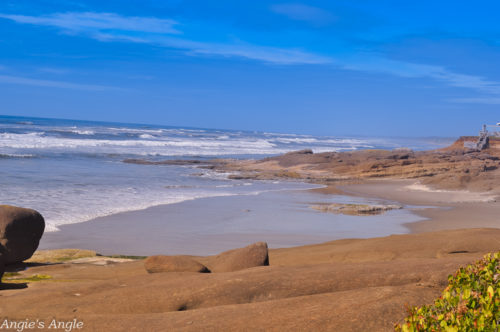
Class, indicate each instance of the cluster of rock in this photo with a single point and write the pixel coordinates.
(233, 260)
(20, 233)
(355, 209)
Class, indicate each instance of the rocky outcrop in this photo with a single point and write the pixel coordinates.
(20, 233)
(454, 167)
(355, 209)
(238, 259)
(160, 263)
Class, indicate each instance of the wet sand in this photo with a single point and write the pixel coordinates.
(282, 219)
(211, 225)
(455, 209)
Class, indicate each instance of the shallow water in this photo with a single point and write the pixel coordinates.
(211, 225)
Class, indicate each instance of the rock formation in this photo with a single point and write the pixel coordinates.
(20, 233)
(238, 259)
(355, 209)
(160, 263)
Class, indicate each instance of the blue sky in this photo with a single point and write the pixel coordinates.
(397, 68)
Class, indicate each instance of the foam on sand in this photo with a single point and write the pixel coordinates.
(453, 196)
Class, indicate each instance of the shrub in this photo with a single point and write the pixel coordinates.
(470, 302)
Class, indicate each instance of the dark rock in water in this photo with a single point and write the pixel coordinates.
(159, 264)
(162, 162)
(305, 151)
(20, 233)
(238, 259)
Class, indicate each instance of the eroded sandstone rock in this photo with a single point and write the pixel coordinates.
(238, 259)
(160, 264)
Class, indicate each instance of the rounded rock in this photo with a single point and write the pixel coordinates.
(160, 264)
(20, 233)
(243, 258)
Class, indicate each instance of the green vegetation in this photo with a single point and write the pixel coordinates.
(11, 274)
(59, 255)
(471, 302)
(15, 277)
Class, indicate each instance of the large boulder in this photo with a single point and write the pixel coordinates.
(20, 233)
(238, 259)
(160, 263)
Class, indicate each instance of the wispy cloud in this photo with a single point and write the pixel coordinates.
(469, 81)
(98, 22)
(51, 70)
(56, 84)
(306, 13)
(412, 70)
(480, 100)
(273, 55)
(261, 53)
(108, 27)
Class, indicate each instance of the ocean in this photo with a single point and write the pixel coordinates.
(73, 171)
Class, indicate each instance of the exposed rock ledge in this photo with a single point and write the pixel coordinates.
(355, 209)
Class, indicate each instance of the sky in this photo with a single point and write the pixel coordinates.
(375, 68)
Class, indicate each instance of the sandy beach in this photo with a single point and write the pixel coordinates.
(452, 209)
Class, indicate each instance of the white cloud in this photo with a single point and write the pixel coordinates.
(469, 81)
(413, 70)
(55, 84)
(51, 70)
(107, 27)
(480, 100)
(110, 27)
(266, 54)
(95, 22)
(301, 12)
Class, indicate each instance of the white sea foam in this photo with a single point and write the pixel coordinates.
(166, 146)
(83, 132)
(455, 196)
(16, 155)
(148, 145)
(146, 136)
(76, 213)
(53, 221)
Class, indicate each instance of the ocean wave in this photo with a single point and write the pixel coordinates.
(295, 140)
(83, 132)
(164, 147)
(15, 156)
(102, 140)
